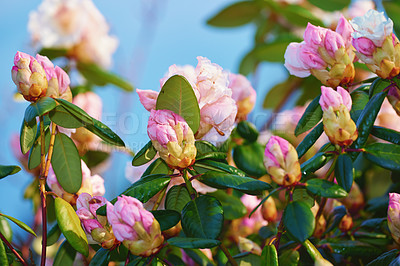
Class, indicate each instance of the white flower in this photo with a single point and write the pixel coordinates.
(373, 25)
(73, 24)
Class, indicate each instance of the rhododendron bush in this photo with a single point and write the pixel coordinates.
(317, 184)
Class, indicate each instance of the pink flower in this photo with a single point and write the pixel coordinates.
(282, 162)
(332, 98)
(134, 226)
(243, 93)
(338, 125)
(96, 226)
(217, 118)
(364, 46)
(324, 53)
(256, 219)
(148, 98)
(394, 216)
(172, 138)
(29, 76)
(57, 79)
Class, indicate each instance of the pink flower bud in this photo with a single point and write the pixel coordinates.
(314, 36)
(148, 98)
(345, 30)
(282, 162)
(332, 98)
(96, 226)
(246, 245)
(338, 125)
(172, 138)
(256, 221)
(364, 46)
(29, 76)
(134, 226)
(294, 61)
(394, 216)
(243, 93)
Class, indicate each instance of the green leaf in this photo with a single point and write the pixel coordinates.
(167, 218)
(177, 95)
(66, 163)
(273, 51)
(324, 188)
(289, 258)
(5, 229)
(105, 133)
(351, 248)
(193, 242)
(39, 108)
(245, 258)
(91, 124)
(212, 155)
(338, 213)
(101, 77)
(70, 226)
(246, 185)
(101, 258)
(385, 155)
(360, 100)
(309, 140)
(53, 53)
(35, 154)
(65, 255)
(237, 14)
(330, 5)
(94, 158)
(312, 115)
(6, 170)
(367, 118)
(278, 92)
(314, 163)
(300, 16)
(145, 155)
(53, 235)
(249, 158)
(204, 147)
(387, 134)
(269, 256)
(377, 86)
(202, 218)
(232, 206)
(143, 189)
(312, 250)
(198, 257)
(247, 131)
(206, 165)
(147, 187)
(27, 135)
(385, 259)
(344, 171)
(22, 225)
(157, 167)
(176, 199)
(3, 254)
(301, 194)
(76, 111)
(62, 117)
(299, 221)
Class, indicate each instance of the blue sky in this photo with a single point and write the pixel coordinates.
(152, 36)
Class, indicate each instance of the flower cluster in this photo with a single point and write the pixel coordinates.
(75, 25)
(324, 53)
(338, 125)
(127, 222)
(222, 98)
(172, 138)
(37, 77)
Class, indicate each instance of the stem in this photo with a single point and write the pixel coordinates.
(159, 199)
(324, 200)
(279, 235)
(189, 186)
(51, 147)
(12, 249)
(228, 255)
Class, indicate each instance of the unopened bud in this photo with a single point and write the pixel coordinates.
(346, 223)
